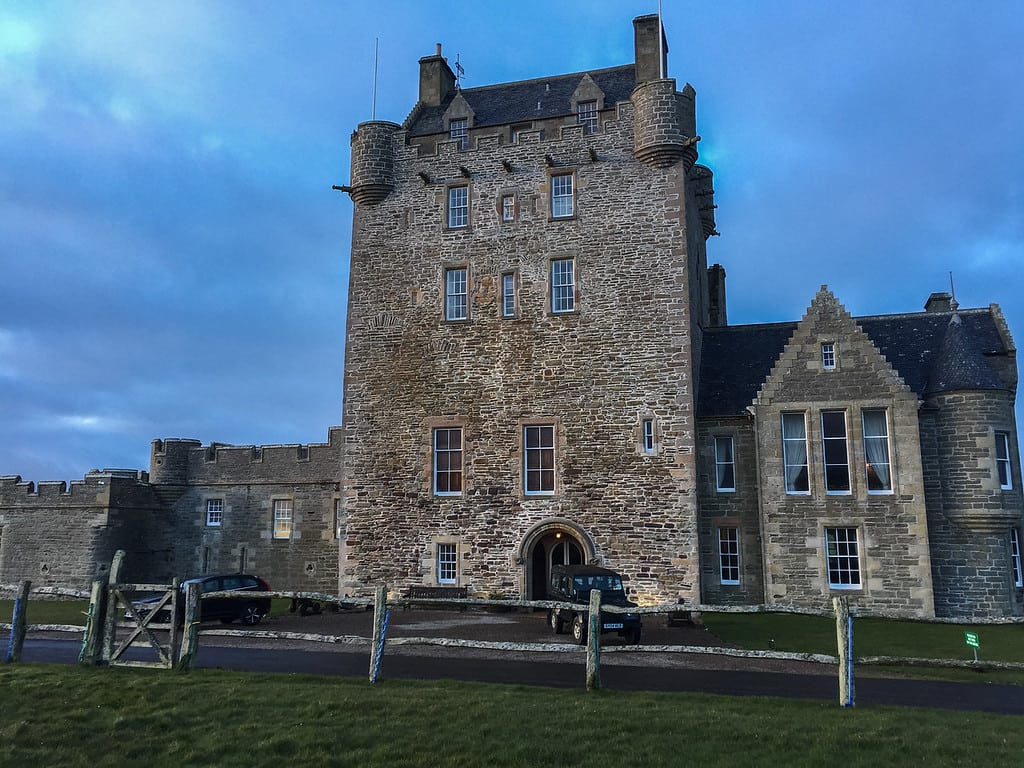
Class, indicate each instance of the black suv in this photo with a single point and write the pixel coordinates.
(572, 584)
(227, 609)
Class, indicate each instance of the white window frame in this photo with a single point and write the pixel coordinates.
(648, 436)
(723, 462)
(284, 522)
(587, 114)
(456, 293)
(842, 557)
(1015, 558)
(447, 563)
(214, 512)
(563, 202)
(539, 478)
(508, 207)
(790, 454)
(729, 555)
(828, 356)
(882, 471)
(1004, 467)
(829, 445)
(459, 129)
(444, 475)
(563, 286)
(458, 207)
(508, 294)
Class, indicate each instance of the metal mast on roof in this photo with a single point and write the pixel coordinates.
(373, 106)
(661, 44)
(459, 72)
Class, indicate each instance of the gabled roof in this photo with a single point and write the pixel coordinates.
(736, 360)
(526, 100)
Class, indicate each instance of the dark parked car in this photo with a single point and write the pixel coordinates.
(573, 583)
(227, 609)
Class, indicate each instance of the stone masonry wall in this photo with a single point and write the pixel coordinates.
(624, 355)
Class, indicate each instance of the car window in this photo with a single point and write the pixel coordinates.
(236, 582)
(211, 585)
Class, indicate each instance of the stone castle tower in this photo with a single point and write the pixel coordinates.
(529, 286)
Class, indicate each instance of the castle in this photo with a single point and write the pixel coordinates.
(539, 370)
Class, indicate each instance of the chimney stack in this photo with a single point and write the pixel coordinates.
(939, 302)
(651, 52)
(716, 297)
(437, 81)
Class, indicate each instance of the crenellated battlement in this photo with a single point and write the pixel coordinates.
(373, 157)
(665, 126)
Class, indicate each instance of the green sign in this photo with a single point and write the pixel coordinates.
(971, 638)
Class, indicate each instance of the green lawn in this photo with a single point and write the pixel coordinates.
(71, 716)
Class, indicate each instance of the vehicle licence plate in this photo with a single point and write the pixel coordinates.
(613, 626)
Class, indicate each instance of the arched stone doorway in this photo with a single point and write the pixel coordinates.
(555, 542)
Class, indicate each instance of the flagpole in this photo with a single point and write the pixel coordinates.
(661, 44)
(373, 107)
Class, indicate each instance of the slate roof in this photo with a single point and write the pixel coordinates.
(518, 102)
(930, 353)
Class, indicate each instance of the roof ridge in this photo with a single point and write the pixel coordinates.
(547, 78)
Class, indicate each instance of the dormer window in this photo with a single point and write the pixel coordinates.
(459, 129)
(586, 114)
(828, 356)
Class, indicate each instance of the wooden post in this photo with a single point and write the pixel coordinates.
(594, 641)
(173, 643)
(18, 624)
(110, 610)
(190, 637)
(93, 624)
(844, 642)
(380, 607)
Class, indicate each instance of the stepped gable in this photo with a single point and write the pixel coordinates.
(518, 102)
(959, 364)
(736, 360)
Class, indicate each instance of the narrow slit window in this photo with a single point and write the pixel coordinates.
(648, 427)
(1003, 461)
(508, 294)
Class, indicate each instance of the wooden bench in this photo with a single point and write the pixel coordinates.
(433, 592)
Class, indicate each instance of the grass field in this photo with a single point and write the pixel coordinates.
(71, 716)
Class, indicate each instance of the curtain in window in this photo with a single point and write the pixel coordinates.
(794, 436)
(876, 451)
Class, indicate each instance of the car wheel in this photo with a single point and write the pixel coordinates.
(555, 622)
(579, 629)
(251, 614)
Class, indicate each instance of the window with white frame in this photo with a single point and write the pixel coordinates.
(458, 207)
(214, 512)
(539, 459)
(842, 550)
(508, 294)
(648, 429)
(563, 285)
(794, 453)
(456, 293)
(561, 196)
(725, 465)
(447, 563)
(448, 461)
(586, 113)
(1003, 460)
(876, 450)
(508, 207)
(729, 555)
(282, 518)
(459, 129)
(1015, 563)
(828, 356)
(834, 453)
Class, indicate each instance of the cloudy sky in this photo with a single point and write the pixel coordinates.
(173, 262)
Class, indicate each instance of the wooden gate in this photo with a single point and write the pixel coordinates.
(139, 623)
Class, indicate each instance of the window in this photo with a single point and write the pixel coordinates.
(448, 462)
(282, 518)
(843, 555)
(1003, 460)
(563, 285)
(648, 427)
(459, 129)
(828, 356)
(561, 196)
(794, 453)
(447, 564)
(586, 113)
(725, 465)
(1018, 574)
(729, 555)
(539, 459)
(458, 207)
(876, 451)
(456, 305)
(834, 454)
(338, 517)
(214, 511)
(508, 294)
(508, 207)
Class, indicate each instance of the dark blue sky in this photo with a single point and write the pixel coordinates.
(173, 262)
